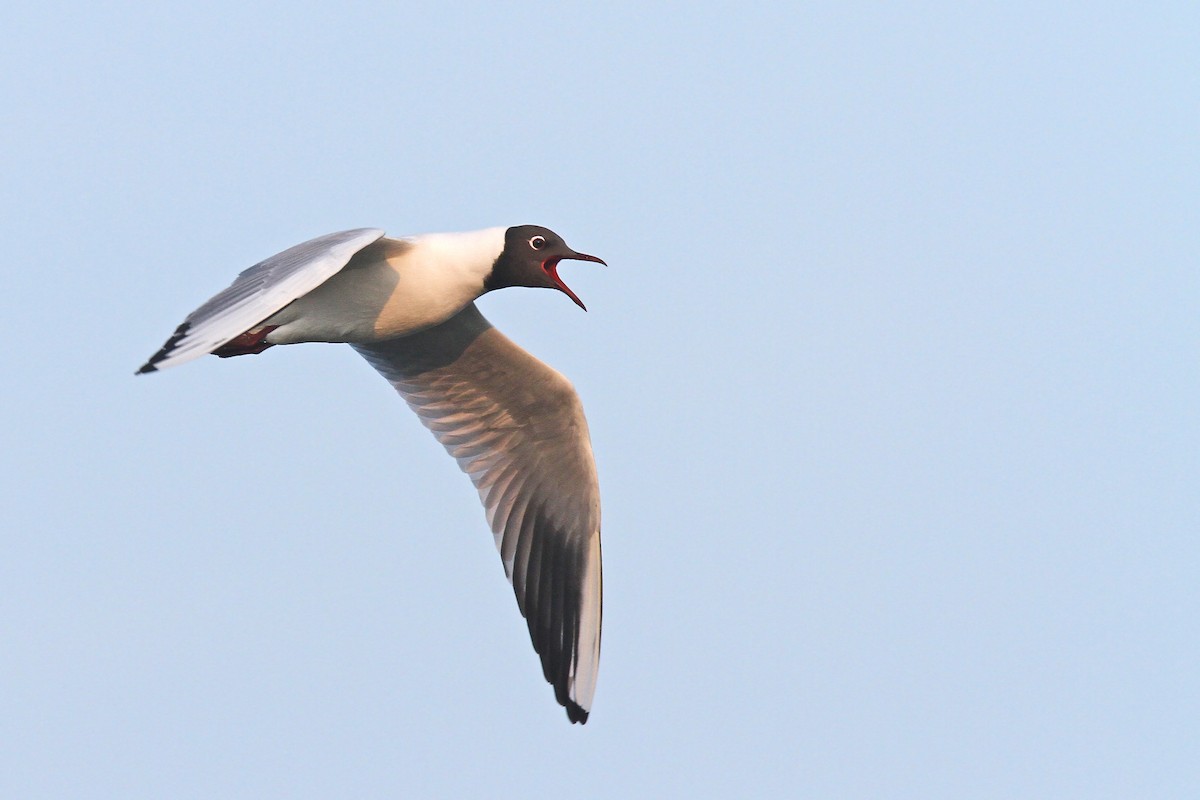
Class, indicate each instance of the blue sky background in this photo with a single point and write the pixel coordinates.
(892, 381)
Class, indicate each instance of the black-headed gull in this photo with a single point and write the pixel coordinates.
(515, 425)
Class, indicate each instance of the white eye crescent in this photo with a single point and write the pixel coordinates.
(537, 242)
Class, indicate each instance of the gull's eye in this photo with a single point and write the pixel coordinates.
(537, 242)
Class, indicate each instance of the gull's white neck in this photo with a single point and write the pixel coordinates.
(467, 253)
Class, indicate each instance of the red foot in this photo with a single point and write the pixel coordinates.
(246, 344)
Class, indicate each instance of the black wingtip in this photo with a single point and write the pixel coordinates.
(165, 350)
(576, 713)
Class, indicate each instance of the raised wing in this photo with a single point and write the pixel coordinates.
(258, 293)
(517, 428)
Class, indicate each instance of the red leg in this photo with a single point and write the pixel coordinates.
(246, 344)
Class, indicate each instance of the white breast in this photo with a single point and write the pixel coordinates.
(393, 288)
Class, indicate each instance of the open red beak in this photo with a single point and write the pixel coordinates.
(551, 267)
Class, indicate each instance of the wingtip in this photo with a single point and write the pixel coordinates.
(165, 350)
(575, 712)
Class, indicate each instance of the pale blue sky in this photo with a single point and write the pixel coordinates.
(892, 381)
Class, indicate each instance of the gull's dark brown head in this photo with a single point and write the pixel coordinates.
(530, 258)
